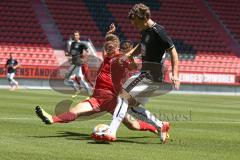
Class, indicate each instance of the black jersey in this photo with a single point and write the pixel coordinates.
(77, 51)
(10, 64)
(155, 42)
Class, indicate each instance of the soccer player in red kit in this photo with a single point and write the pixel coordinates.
(104, 97)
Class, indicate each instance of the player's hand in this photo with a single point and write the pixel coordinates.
(15, 67)
(124, 58)
(176, 82)
(67, 54)
(112, 28)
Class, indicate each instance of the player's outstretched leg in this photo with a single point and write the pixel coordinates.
(81, 109)
(43, 115)
(145, 115)
(138, 125)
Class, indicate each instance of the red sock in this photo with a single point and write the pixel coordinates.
(64, 117)
(144, 126)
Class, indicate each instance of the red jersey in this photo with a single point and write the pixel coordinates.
(110, 77)
(112, 74)
(104, 78)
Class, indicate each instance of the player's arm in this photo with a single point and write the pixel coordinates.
(86, 51)
(16, 65)
(135, 51)
(174, 62)
(111, 30)
(85, 54)
(68, 47)
(67, 50)
(169, 47)
(67, 54)
(6, 65)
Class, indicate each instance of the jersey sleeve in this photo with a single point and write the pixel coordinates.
(164, 39)
(71, 46)
(84, 46)
(15, 62)
(7, 63)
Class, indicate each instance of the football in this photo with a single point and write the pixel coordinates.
(100, 128)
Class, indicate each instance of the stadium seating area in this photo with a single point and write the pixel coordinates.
(186, 22)
(74, 15)
(210, 64)
(228, 13)
(21, 33)
(187, 30)
(201, 47)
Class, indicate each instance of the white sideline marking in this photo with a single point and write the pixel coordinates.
(103, 120)
(6, 118)
(33, 118)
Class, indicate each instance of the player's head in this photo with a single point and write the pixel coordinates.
(126, 46)
(139, 15)
(76, 35)
(112, 44)
(11, 55)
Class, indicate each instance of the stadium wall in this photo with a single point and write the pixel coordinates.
(185, 88)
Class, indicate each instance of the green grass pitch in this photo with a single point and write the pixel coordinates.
(203, 127)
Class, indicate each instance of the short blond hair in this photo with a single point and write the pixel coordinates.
(112, 38)
(112, 43)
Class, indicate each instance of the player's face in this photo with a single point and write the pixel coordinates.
(76, 36)
(111, 49)
(138, 23)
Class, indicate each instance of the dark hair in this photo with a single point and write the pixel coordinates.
(140, 11)
(76, 32)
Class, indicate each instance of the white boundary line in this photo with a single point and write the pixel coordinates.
(236, 93)
(104, 120)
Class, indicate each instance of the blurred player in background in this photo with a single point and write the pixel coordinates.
(78, 72)
(11, 66)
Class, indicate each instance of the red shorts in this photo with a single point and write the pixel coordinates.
(103, 100)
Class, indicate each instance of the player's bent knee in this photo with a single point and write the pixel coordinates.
(125, 95)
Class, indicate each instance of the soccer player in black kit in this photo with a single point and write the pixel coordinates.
(11, 66)
(79, 65)
(154, 44)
